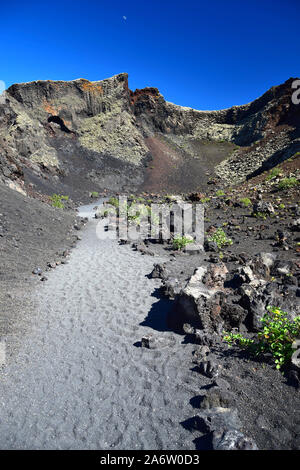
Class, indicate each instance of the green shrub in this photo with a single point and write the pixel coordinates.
(113, 201)
(296, 155)
(277, 337)
(137, 212)
(136, 219)
(273, 173)
(287, 183)
(220, 192)
(245, 201)
(94, 194)
(261, 215)
(238, 339)
(104, 212)
(56, 200)
(180, 242)
(204, 200)
(220, 238)
(170, 197)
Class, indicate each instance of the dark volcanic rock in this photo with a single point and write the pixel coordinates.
(210, 246)
(199, 302)
(232, 440)
(214, 298)
(158, 272)
(208, 368)
(263, 207)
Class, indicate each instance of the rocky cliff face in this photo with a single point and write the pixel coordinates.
(265, 132)
(80, 136)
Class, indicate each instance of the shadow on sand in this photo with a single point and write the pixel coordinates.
(157, 317)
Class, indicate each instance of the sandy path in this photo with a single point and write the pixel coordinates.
(78, 381)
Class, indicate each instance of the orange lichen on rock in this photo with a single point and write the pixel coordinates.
(139, 94)
(49, 108)
(90, 87)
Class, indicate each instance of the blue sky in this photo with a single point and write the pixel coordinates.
(204, 54)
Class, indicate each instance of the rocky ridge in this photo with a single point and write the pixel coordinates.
(80, 136)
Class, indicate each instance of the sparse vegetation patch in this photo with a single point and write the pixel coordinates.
(276, 337)
(57, 200)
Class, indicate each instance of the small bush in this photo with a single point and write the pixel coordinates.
(220, 192)
(245, 201)
(204, 200)
(57, 199)
(138, 212)
(277, 337)
(273, 173)
(180, 242)
(170, 197)
(296, 155)
(287, 183)
(94, 194)
(104, 212)
(220, 238)
(113, 201)
(261, 215)
(135, 219)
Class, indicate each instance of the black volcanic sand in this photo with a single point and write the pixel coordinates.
(32, 234)
(82, 172)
